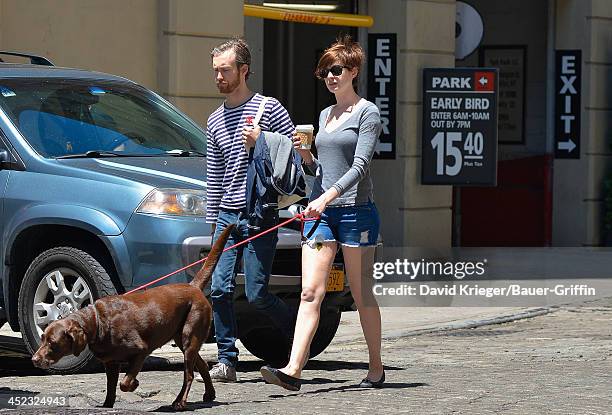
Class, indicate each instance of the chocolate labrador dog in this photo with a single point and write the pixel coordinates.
(127, 328)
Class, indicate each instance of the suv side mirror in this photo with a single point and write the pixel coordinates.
(9, 161)
(4, 159)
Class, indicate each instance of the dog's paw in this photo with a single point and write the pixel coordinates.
(179, 405)
(129, 385)
(208, 396)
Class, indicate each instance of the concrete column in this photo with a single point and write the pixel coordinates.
(254, 35)
(578, 184)
(189, 29)
(413, 214)
(112, 36)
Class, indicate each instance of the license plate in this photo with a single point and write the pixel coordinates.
(335, 282)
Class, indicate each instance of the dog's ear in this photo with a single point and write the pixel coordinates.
(79, 341)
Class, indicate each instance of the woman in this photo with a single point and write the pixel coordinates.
(342, 197)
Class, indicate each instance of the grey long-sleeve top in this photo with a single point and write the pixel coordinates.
(344, 155)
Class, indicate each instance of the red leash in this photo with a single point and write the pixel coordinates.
(298, 216)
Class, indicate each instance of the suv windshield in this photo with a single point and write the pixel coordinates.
(69, 117)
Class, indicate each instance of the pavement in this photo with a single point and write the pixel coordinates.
(397, 322)
(438, 360)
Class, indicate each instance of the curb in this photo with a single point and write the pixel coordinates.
(470, 324)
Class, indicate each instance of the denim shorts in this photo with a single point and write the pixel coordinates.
(349, 225)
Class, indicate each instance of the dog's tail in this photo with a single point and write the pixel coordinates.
(204, 274)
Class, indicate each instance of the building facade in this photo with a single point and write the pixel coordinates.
(540, 200)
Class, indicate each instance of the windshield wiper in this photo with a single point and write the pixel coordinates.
(99, 154)
(185, 153)
(102, 153)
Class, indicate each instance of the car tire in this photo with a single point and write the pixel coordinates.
(328, 325)
(58, 282)
(268, 343)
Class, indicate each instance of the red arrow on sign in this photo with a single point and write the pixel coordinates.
(484, 81)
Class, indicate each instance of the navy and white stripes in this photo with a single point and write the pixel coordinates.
(226, 157)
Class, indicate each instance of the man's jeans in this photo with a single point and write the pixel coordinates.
(258, 256)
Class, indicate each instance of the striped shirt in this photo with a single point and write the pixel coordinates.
(226, 157)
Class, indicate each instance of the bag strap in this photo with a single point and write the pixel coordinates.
(260, 110)
(258, 114)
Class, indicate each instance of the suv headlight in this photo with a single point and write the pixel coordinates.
(180, 202)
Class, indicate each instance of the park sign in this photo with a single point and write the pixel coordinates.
(459, 138)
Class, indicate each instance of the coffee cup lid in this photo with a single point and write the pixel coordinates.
(304, 127)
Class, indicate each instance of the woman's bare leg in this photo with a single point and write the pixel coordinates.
(358, 264)
(316, 264)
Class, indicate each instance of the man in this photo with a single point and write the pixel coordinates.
(229, 128)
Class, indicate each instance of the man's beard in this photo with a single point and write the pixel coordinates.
(228, 88)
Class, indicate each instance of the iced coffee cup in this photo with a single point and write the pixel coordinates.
(305, 132)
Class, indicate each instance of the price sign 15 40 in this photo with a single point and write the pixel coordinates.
(448, 144)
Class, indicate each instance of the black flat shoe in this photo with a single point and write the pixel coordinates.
(276, 377)
(367, 383)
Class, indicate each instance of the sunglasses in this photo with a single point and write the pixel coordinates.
(336, 70)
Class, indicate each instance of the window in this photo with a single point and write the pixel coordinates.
(65, 116)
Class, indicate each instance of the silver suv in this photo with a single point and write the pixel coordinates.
(102, 189)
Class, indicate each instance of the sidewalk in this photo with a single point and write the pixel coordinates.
(397, 322)
(410, 321)
(459, 363)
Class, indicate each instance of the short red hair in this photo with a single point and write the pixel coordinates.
(344, 50)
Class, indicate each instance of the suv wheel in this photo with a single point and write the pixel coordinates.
(267, 343)
(58, 282)
(328, 325)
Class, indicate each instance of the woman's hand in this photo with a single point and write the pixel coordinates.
(316, 207)
(306, 154)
